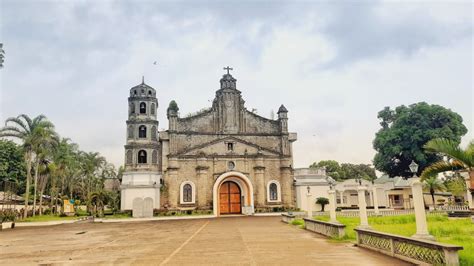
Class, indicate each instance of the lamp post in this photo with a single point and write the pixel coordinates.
(309, 203)
(418, 204)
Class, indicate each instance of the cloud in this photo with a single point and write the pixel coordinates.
(334, 66)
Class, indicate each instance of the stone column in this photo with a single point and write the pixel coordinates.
(309, 205)
(375, 199)
(341, 193)
(173, 186)
(286, 186)
(364, 221)
(470, 199)
(260, 180)
(332, 206)
(420, 214)
(203, 189)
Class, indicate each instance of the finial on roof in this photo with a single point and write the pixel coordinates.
(282, 109)
(143, 79)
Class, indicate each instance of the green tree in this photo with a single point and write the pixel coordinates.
(345, 171)
(333, 169)
(358, 171)
(30, 132)
(12, 163)
(433, 184)
(322, 201)
(406, 130)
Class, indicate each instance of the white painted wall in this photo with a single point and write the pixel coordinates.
(141, 185)
(316, 192)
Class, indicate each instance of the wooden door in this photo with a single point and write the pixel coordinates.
(229, 198)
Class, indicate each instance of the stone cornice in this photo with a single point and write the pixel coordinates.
(136, 145)
(189, 132)
(142, 121)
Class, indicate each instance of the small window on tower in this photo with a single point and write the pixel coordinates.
(135, 92)
(142, 108)
(149, 92)
(230, 146)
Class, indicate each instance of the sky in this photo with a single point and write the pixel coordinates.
(334, 65)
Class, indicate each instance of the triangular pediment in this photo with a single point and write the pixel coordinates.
(220, 147)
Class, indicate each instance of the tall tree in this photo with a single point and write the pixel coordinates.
(30, 132)
(457, 160)
(433, 184)
(404, 132)
(12, 163)
(333, 169)
(346, 170)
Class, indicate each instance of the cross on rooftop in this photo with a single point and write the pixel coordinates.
(228, 69)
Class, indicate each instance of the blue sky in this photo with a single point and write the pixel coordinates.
(333, 64)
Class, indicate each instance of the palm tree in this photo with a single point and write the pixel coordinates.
(459, 160)
(98, 199)
(433, 184)
(30, 132)
(44, 147)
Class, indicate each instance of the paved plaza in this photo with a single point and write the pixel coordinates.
(230, 240)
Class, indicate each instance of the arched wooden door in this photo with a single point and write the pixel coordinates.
(229, 198)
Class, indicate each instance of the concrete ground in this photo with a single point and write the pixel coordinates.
(231, 240)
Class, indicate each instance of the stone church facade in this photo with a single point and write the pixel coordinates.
(225, 158)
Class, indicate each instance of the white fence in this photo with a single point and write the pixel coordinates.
(355, 213)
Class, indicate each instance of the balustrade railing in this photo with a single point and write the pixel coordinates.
(325, 228)
(410, 249)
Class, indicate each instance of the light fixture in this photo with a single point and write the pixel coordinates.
(413, 167)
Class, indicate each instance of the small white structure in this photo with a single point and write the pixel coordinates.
(318, 183)
(348, 195)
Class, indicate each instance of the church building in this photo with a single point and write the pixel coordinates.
(224, 158)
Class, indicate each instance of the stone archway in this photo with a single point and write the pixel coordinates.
(246, 189)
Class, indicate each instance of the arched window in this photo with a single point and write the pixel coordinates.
(273, 191)
(142, 108)
(142, 156)
(149, 93)
(187, 193)
(152, 111)
(142, 132)
(153, 133)
(129, 157)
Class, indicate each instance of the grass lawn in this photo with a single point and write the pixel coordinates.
(458, 231)
(47, 218)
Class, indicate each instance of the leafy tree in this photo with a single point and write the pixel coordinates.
(406, 130)
(333, 169)
(433, 184)
(458, 159)
(346, 170)
(359, 171)
(456, 185)
(31, 132)
(322, 201)
(12, 163)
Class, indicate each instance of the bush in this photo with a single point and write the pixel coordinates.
(8, 215)
(297, 222)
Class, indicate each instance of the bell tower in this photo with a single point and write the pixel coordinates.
(142, 175)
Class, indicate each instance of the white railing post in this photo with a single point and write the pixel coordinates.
(332, 206)
(309, 205)
(376, 200)
(364, 221)
(420, 214)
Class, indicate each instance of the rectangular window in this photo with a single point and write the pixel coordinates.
(230, 146)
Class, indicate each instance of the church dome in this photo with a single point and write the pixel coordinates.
(142, 90)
